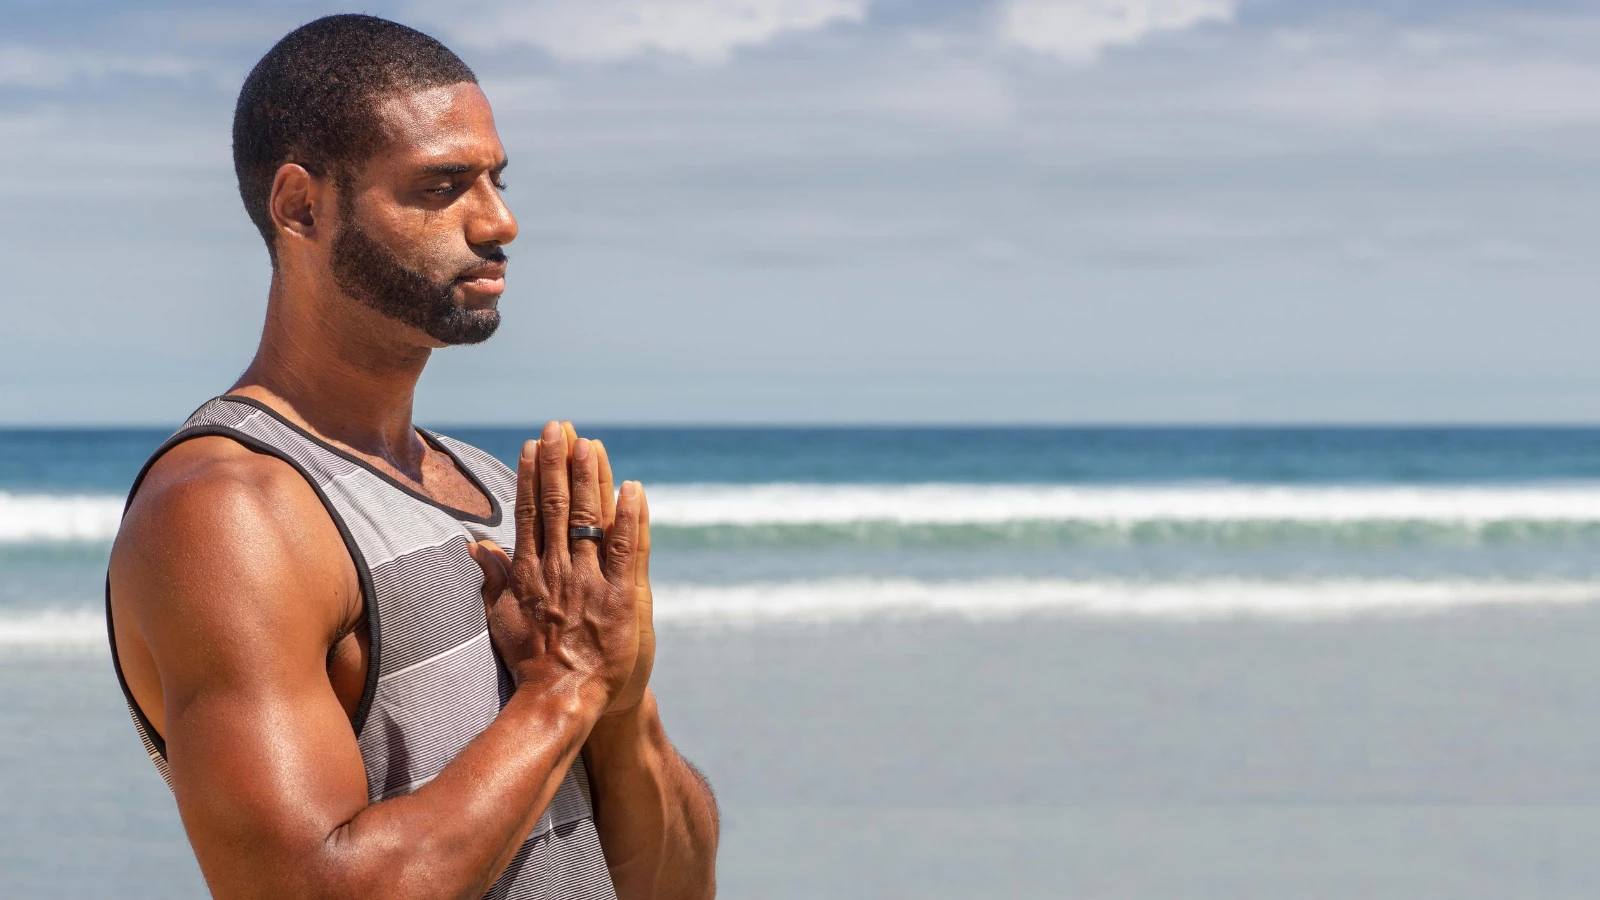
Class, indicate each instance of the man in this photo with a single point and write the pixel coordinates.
(372, 661)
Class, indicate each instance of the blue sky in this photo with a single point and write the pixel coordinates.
(873, 210)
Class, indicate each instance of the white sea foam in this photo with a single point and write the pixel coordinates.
(53, 629)
(799, 504)
(49, 517)
(44, 517)
(854, 599)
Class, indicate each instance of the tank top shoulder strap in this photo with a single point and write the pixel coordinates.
(253, 426)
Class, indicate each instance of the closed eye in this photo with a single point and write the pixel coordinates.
(451, 189)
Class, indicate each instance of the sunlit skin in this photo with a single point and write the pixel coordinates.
(230, 583)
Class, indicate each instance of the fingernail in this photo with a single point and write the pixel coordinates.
(629, 488)
(530, 450)
(580, 452)
(552, 431)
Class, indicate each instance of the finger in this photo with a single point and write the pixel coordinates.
(585, 502)
(608, 488)
(496, 566)
(571, 435)
(641, 555)
(641, 569)
(622, 539)
(554, 499)
(527, 511)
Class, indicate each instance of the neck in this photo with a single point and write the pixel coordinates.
(343, 371)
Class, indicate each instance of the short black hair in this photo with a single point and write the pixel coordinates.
(312, 100)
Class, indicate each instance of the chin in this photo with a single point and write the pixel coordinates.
(465, 326)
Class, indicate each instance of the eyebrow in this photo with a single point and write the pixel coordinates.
(462, 168)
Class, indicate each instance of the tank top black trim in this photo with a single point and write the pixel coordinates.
(363, 573)
(448, 684)
(495, 512)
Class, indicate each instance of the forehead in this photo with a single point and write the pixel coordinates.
(452, 123)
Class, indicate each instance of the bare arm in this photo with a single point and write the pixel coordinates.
(656, 814)
(228, 571)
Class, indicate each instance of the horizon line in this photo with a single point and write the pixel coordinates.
(1084, 425)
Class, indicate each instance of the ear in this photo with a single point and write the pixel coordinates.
(295, 202)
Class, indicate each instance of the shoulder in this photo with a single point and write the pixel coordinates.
(217, 531)
(211, 487)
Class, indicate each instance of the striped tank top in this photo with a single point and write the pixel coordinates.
(433, 679)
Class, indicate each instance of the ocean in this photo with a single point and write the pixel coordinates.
(1031, 662)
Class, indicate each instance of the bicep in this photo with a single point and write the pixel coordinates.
(263, 774)
(234, 597)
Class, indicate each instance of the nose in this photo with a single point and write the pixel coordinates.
(490, 220)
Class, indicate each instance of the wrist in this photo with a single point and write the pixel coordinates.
(630, 731)
(545, 678)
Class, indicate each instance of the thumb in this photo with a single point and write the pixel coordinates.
(496, 566)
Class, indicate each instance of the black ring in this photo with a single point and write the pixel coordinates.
(586, 533)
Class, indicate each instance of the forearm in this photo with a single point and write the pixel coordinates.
(656, 816)
(455, 835)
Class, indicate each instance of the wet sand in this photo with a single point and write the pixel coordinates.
(1446, 756)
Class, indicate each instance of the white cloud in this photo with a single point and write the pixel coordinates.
(29, 67)
(705, 31)
(1078, 30)
(1402, 98)
(522, 94)
(953, 94)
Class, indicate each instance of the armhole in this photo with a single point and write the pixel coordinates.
(363, 573)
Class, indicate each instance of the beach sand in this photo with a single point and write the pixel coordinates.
(1453, 756)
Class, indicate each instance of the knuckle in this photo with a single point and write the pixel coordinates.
(554, 501)
(621, 544)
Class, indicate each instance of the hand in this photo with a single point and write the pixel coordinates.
(560, 608)
(632, 692)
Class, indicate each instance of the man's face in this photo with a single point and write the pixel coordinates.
(422, 224)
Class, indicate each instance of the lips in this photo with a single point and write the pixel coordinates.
(488, 279)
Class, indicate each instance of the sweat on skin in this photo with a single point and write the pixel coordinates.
(238, 613)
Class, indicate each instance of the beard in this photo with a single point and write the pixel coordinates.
(375, 276)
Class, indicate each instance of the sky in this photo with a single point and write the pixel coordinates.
(871, 211)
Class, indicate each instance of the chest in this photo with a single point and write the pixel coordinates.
(446, 586)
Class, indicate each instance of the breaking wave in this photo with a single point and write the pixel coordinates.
(53, 629)
(1197, 600)
(1054, 514)
(855, 599)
